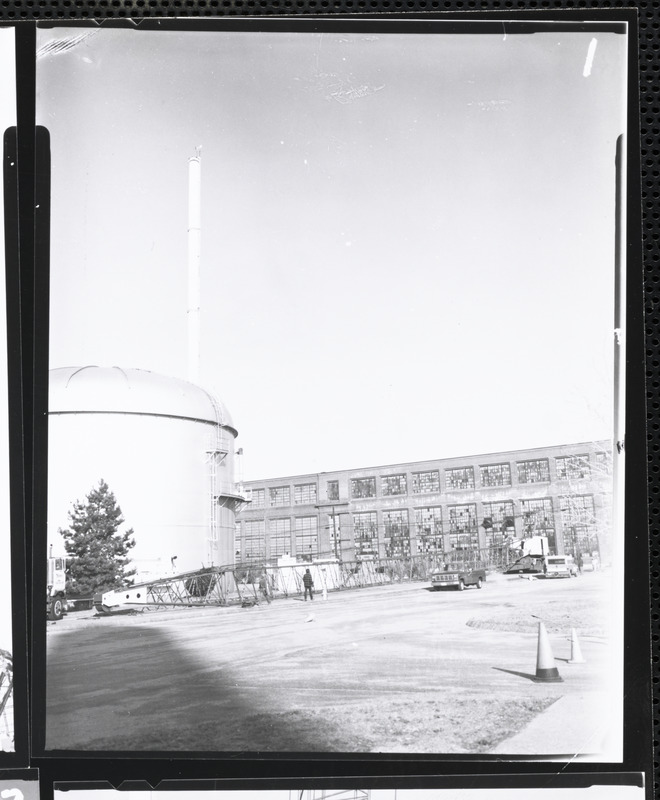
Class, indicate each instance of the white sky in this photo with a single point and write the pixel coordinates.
(407, 241)
(7, 119)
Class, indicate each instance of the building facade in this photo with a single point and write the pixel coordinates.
(437, 506)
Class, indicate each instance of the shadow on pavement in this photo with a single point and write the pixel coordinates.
(527, 675)
(136, 688)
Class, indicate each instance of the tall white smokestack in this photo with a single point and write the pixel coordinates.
(194, 258)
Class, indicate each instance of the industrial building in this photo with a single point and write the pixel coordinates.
(438, 506)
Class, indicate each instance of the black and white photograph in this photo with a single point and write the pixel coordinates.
(7, 120)
(336, 389)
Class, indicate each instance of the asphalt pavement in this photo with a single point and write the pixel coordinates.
(388, 669)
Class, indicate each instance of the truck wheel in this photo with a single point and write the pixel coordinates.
(461, 585)
(480, 583)
(56, 609)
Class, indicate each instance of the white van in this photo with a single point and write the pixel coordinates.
(557, 567)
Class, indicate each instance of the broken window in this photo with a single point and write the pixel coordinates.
(573, 467)
(397, 532)
(495, 475)
(426, 481)
(365, 532)
(463, 533)
(363, 487)
(428, 527)
(498, 521)
(393, 484)
(460, 478)
(536, 471)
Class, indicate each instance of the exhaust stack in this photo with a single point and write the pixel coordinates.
(194, 259)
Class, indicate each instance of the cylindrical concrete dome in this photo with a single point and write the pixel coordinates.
(164, 446)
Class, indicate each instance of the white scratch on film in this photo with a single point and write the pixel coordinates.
(591, 52)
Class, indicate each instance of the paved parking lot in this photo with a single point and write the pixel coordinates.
(389, 669)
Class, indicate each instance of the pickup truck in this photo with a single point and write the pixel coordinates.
(457, 576)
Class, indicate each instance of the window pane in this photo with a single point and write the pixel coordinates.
(393, 484)
(237, 540)
(460, 478)
(498, 522)
(579, 524)
(280, 496)
(573, 467)
(539, 520)
(365, 532)
(537, 471)
(305, 494)
(426, 482)
(578, 509)
(397, 532)
(307, 537)
(258, 498)
(363, 487)
(280, 536)
(463, 526)
(337, 540)
(333, 490)
(495, 475)
(428, 527)
(254, 539)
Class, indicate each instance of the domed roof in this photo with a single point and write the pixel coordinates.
(116, 390)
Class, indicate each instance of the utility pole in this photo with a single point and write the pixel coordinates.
(335, 529)
(334, 532)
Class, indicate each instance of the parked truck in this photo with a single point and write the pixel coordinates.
(56, 594)
(458, 576)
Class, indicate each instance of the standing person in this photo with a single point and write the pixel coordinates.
(308, 583)
(263, 586)
(579, 562)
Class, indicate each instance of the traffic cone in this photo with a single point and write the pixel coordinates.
(576, 653)
(546, 669)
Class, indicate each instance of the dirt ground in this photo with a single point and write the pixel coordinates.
(389, 669)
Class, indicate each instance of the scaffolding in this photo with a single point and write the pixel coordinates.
(254, 581)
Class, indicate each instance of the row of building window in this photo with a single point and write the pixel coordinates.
(498, 522)
(575, 467)
(254, 536)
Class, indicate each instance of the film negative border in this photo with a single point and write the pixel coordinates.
(649, 88)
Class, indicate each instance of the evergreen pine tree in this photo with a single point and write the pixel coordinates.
(97, 552)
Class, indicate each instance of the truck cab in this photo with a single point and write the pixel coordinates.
(56, 588)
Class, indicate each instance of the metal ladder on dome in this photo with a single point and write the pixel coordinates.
(216, 454)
